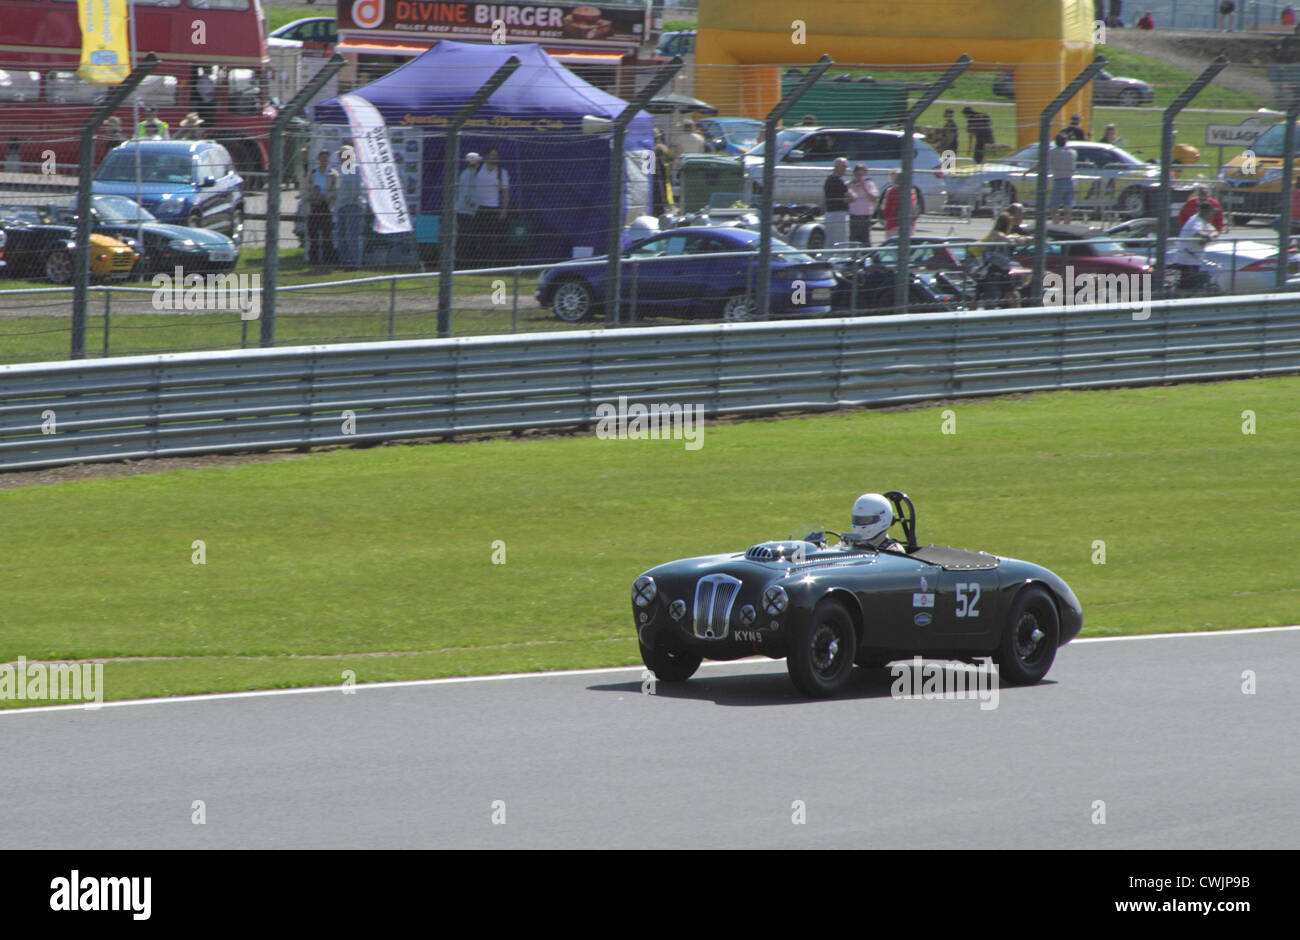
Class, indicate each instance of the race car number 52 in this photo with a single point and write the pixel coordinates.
(968, 595)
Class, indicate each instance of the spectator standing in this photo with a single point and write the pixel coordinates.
(1288, 17)
(663, 160)
(1226, 9)
(1201, 196)
(151, 126)
(320, 216)
(1075, 131)
(349, 209)
(949, 134)
(466, 193)
(492, 201)
(191, 127)
(835, 190)
(690, 141)
(1115, 17)
(979, 129)
(1147, 21)
(1187, 252)
(890, 203)
(113, 135)
(863, 197)
(1109, 136)
(1060, 165)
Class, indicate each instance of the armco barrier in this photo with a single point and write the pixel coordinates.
(203, 403)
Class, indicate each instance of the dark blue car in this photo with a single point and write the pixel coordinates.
(671, 274)
(183, 182)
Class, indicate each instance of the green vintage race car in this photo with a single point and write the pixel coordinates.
(825, 606)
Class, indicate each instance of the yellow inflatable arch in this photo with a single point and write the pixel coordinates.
(1044, 42)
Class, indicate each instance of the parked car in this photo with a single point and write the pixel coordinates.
(805, 156)
(1087, 251)
(1106, 89)
(1259, 191)
(1106, 177)
(311, 31)
(185, 182)
(826, 607)
(165, 247)
(1241, 266)
(682, 285)
(35, 247)
(678, 43)
(729, 134)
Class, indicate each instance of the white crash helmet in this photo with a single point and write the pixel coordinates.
(872, 516)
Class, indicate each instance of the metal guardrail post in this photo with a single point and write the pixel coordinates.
(1285, 212)
(85, 171)
(766, 196)
(1040, 198)
(450, 164)
(274, 178)
(614, 242)
(1166, 159)
(902, 281)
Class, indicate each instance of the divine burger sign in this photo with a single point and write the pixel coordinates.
(520, 22)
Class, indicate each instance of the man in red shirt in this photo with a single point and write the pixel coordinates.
(1199, 195)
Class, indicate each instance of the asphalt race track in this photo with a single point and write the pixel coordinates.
(1157, 728)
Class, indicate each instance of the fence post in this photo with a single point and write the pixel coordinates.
(450, 164)
(108, 304)
(614, 243)
(85, 169)
(1288, 188)
(1166, 158)
(902, 280)
(1040, 197)
(766, 195)
(274, 177)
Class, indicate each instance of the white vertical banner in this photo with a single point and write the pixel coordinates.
(378, 169)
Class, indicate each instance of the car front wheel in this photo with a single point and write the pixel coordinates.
(1132, 202)
(1029, 640)
(668, 666)
(573, 301)
(820, 661)
(1130, 98)
(738, 307)
(58, 267)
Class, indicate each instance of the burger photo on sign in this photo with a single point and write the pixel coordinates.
(586, 23)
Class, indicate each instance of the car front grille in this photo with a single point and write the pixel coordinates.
(121, 261)
(715, 595)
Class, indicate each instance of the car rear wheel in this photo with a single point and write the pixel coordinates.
(816, 239)
(573, 301)
(1001, 195)
(738, 307)
(820, 661)
(668, 666)
(1130, 98)
(58, 266)
(1029, 640)
(1133, 202)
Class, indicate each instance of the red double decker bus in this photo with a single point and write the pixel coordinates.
(213, 63)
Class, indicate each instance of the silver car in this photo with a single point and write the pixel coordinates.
(805, 155)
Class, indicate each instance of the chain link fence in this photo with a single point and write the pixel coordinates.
(534, 212)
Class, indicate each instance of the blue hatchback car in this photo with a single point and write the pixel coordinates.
(183, 182)
(671, 275)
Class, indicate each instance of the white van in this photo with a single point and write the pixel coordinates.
(805, 155)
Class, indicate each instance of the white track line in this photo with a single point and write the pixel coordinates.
(607, 670)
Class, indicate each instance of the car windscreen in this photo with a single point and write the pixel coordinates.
(784, 139)
(742, 135)
(118, 209)
(1272, 142)
(119, 166)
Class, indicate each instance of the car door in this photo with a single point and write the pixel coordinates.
(660, 274)
(966, 604)
(718, 277)
(802, 172)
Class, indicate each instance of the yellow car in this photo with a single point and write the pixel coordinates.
(1251, 182)
(36, 246)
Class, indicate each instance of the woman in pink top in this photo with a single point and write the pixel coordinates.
(862, 205)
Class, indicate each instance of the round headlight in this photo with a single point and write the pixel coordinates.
(775, 600)
(644, 591)
(677, 609)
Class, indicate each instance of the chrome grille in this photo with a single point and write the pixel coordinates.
(715, 594)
